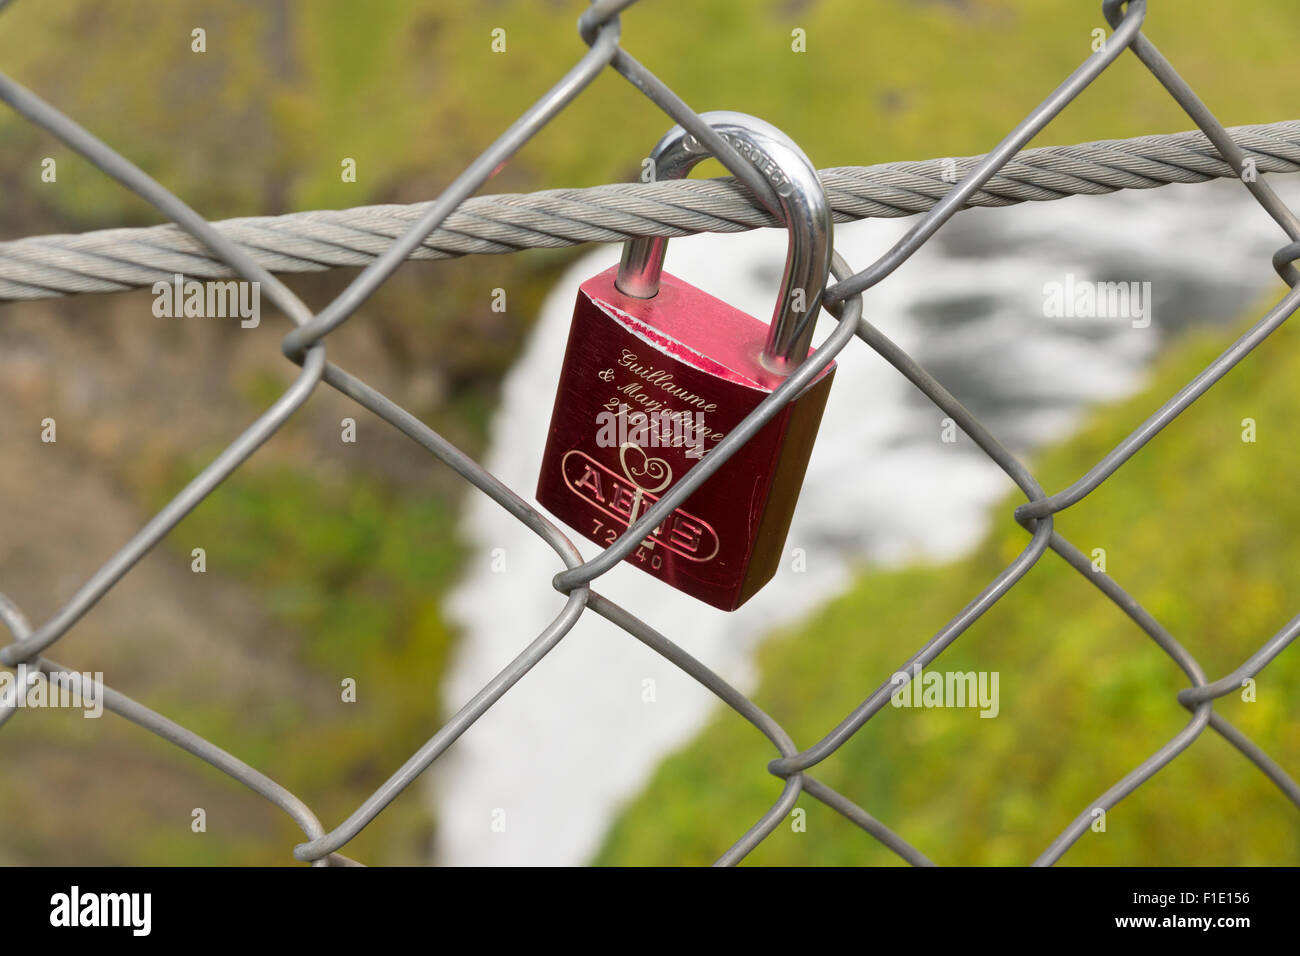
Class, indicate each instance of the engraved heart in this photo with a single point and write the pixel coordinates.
(653, 469)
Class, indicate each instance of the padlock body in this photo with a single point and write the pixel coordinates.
(648, 388)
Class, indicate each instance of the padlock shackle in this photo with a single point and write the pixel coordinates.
(804, 207)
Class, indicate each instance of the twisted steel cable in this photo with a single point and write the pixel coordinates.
(113, 260)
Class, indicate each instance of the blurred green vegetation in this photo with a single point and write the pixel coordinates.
(370, 608)
(1200, 526)
(260, 123)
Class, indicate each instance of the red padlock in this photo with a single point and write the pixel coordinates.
(657, 372)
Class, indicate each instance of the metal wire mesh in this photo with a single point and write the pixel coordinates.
(305, 345)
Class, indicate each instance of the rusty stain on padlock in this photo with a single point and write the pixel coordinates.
(657, 372)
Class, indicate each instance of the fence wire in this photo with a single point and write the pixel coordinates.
(599, 27)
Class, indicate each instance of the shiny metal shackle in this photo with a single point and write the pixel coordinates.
(804, 207)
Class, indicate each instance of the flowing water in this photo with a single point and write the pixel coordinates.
(540, 777)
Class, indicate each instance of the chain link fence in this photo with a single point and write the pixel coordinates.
(305, 345)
